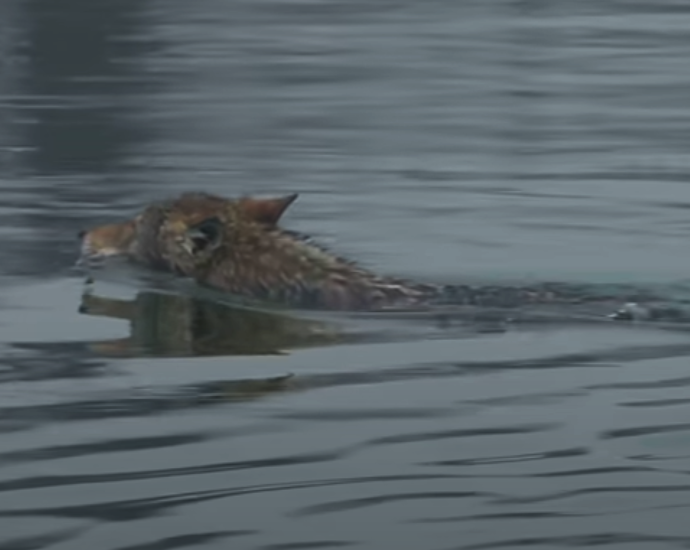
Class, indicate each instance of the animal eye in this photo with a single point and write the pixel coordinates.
(205, 234)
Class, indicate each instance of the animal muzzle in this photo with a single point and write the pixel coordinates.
(91, 256)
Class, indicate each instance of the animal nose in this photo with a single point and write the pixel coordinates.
(81, 234)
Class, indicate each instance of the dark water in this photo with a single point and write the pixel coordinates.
(435, 140)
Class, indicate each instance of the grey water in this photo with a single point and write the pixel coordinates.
(436, 140)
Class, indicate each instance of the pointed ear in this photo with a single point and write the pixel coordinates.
(266, 211)
(205, 235)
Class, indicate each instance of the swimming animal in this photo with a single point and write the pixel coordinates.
(237, 246)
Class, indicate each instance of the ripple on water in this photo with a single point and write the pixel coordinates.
(531, 140)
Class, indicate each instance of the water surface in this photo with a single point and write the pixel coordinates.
(439, 140)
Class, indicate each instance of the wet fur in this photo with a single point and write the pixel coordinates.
(237, 246)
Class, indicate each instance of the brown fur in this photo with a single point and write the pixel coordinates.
(236, 246)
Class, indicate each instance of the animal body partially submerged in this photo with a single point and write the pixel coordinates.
(236, 246)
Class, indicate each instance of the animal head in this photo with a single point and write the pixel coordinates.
(195, 230)
(182, 233)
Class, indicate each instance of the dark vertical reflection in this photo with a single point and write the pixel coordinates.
(9, 68)
(529, 99)
(82, 72)
(78, 99)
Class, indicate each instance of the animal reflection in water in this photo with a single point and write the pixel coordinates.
(168, 325)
